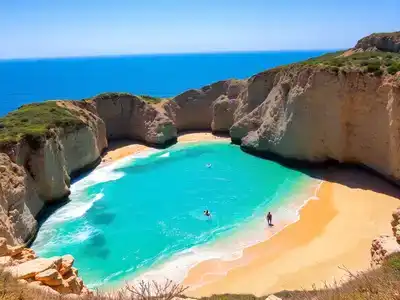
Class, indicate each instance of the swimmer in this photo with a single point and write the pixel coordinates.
(207, 213)
(208, 165)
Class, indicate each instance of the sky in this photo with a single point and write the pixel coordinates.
(63, 28)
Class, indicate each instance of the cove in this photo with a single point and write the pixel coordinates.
(146, 211)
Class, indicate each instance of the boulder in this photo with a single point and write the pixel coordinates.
(31, 268)
(66, 264)
(383, 247)
(57, 260)
(63, 288)
(74, 284)
(13, 251)
(47, 275)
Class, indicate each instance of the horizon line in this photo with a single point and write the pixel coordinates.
(2, 59)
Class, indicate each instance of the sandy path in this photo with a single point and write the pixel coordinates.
(335, 231)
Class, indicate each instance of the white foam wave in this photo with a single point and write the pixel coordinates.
(73, 209)
(165, 154)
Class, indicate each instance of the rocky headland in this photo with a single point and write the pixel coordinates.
(342, 107)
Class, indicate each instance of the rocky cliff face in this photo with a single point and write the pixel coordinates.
(380, 41)
(130, 117)
(316, 115)
(63, 151)
(37, 170)
(19, 203)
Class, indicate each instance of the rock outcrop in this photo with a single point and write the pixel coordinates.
(385, 245)
(52, 275)
(389, 42)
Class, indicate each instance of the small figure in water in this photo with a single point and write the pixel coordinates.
(269, 219)
(208, 165)
(207, 213)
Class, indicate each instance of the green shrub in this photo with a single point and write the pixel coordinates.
(373, 66)
(393, 68)
(393, 262)
(34, 120)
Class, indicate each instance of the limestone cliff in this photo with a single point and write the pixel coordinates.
(130, 117)
(18, 203)
(317, 115)
(48, 160)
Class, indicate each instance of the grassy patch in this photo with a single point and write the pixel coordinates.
(34, 120)
(114, 96)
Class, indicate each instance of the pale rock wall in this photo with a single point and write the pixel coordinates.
(18, 203)
(45, 166)
(129, 117)
(316, 115)
(209, 108)
(64, 151)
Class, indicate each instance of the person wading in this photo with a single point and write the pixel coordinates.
(269, 219)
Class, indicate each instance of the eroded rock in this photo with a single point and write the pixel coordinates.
(31, 268)
(382, 247)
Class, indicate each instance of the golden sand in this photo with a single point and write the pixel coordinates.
(333, 232)
(120, 149)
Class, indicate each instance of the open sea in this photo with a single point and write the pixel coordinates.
(33, 80)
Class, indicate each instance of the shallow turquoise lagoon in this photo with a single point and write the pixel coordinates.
(146, 212)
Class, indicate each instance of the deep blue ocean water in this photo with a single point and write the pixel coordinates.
(33, 80)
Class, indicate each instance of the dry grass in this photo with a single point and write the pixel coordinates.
(378, 284)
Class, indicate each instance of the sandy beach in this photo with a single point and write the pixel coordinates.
(333, 233)
(120, 149)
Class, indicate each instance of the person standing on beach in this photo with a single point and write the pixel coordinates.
(269, 218)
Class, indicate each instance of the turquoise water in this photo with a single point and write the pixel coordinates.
(31, 80)
(140, 213)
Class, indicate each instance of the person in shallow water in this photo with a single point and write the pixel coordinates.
(207, 213)
(269, 219)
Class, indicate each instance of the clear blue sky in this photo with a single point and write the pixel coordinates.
(55, 28)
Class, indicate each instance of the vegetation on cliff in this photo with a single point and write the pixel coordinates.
(35, 120)
(113, 95)
(375, 62)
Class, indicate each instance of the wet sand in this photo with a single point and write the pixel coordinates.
(333, 232)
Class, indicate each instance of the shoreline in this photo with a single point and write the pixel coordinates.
(181, 264)
(306, 253)
(121, 149)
